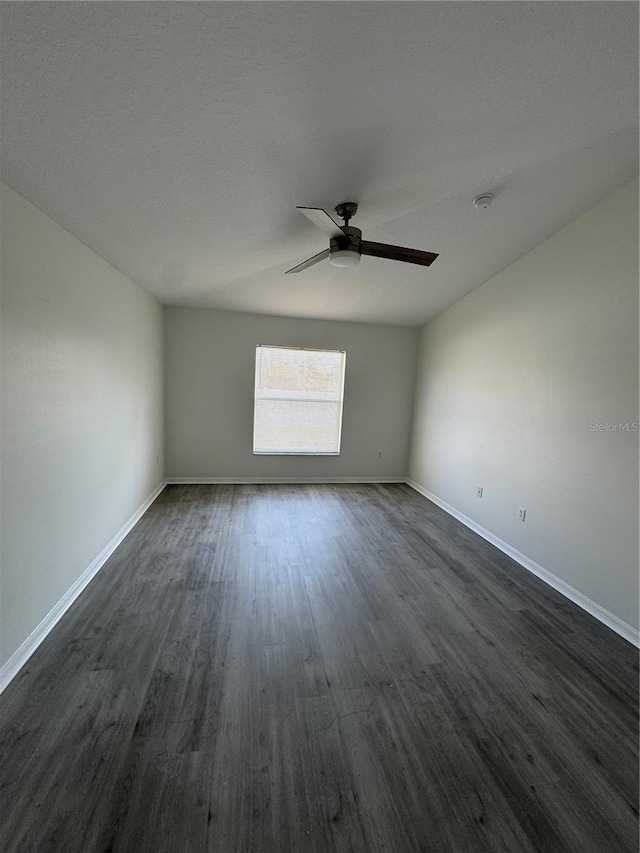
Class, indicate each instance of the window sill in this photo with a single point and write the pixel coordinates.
(296, 453)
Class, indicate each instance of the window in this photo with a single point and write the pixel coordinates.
(298, 401)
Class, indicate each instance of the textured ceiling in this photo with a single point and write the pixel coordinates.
(176, 139)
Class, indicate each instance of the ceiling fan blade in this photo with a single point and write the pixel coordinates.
(310, 261)
(322, 219)
(397, 253)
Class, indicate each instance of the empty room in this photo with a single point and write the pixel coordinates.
(298, 557)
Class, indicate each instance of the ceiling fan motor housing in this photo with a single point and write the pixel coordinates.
(345, 250)
(350, 241)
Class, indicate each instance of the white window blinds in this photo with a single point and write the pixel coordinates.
(298, 401)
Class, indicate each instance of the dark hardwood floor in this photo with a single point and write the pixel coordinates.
(286, 669)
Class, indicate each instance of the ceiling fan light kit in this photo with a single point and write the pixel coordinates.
(347, 257)
(346, 245)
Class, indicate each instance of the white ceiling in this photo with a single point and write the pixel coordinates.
(176, 139)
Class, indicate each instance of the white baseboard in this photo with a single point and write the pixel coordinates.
(257, 481)
(28, 647)
(605, 616)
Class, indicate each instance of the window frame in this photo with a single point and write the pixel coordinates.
(311, 399)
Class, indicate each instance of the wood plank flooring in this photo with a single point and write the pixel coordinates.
(305, 669)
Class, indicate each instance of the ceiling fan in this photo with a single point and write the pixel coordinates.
(346, 244)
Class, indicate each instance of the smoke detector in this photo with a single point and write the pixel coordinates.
(483, 201)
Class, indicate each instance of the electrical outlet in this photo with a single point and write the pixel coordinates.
(379, 454)
(522, 513)
(479, 491)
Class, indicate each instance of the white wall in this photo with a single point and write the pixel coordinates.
(81, 439)
(209, 376)
(509, 381)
